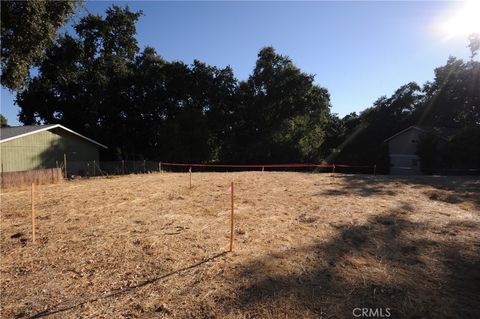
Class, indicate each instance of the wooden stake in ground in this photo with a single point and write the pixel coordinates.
(33, 212)
(190, 172)
(123, 167)
(94, 173)
(231, 218)
(160, 167)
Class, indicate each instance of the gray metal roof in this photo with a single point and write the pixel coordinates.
(9, 132)
(405, 130)
(445, 133)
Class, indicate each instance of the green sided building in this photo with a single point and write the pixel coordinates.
(31, 147)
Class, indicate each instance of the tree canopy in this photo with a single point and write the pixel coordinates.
(98, 82)
(451, 101)
(3, 121)
(280, 114)
(29, 28)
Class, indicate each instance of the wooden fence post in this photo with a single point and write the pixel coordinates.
(123, 167)
(144, 166)
(33, 212)
(160, 167)
(231, 217)
(94, 172)
(190, 172)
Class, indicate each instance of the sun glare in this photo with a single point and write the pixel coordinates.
(463, 22)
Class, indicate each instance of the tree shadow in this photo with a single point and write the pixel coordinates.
(79, 152)
(384, 263)
(56, 309)
(449, 189)
(359, 185)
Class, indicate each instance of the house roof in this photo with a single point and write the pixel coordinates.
(405, 130)
(440, 132)
(14, 132)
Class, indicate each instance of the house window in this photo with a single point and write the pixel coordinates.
(414, 162)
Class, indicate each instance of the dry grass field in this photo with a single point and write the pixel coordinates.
(306, 246)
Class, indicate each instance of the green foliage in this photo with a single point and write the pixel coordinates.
(364, 135)
(464, 149)
(3, 121)
(28, 28)
(84, 82)
(98, 82)
(281, 114)
(453, 98)
(450, 101)
(430, 151)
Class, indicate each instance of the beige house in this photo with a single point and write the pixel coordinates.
(403, 149)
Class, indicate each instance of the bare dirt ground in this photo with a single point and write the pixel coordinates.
(306, 246)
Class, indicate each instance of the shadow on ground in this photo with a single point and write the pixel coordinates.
(388, 262)
(449, 189)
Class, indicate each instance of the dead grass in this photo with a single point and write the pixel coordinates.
(306, 246)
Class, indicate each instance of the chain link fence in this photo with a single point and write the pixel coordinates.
(105, 168)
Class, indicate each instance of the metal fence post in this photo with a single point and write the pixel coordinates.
(65, 164)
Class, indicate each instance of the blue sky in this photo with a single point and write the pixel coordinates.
(359, 51)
